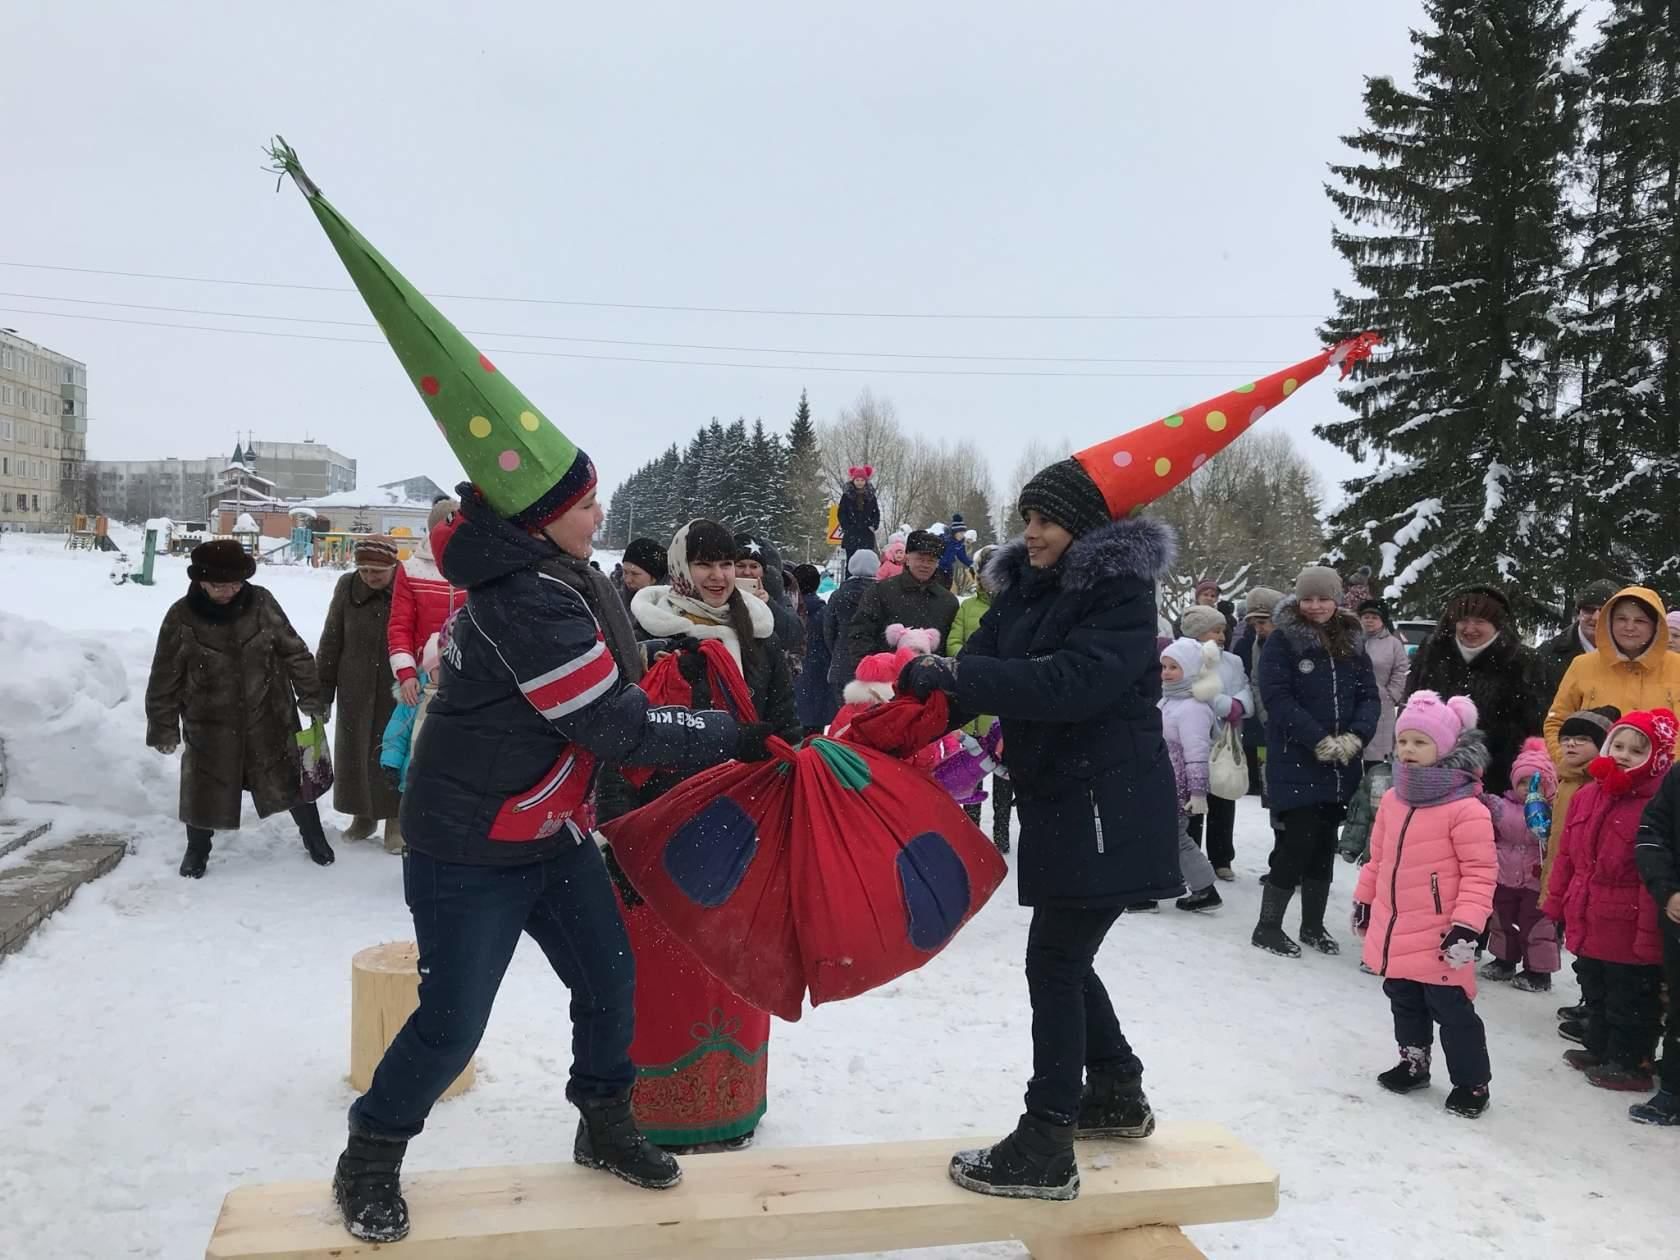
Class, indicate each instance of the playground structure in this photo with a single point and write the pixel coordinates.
(89, 533)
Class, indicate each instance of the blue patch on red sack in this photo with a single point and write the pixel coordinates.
(936, 890)
(708, 856)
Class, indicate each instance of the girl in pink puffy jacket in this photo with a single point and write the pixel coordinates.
(1522, 820)
(1611, 923)
(1425, 896)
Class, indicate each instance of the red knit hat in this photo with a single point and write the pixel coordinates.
(1659, 727)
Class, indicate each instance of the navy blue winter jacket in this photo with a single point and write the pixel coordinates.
(1066, 658)
(529, 701)
(1309, 694)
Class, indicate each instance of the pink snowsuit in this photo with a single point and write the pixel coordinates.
(1431, 866)
(1518, 932)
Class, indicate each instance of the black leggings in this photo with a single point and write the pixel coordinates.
(1306, 845)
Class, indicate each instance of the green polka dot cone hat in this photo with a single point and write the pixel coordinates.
(526, 469)
(1142, 464)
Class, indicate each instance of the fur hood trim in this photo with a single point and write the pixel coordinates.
(654, 611)
(1287, 620)
(1470, 754)
(1138, 547)
(867, 693)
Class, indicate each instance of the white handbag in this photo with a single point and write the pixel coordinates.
(1228, 765)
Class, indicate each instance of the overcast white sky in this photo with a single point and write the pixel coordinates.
(974, 158)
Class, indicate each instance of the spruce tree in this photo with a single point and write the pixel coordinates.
(1458, 245)
(804, 523)
(1623, 438)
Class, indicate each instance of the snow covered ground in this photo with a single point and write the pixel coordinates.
(163, 1039)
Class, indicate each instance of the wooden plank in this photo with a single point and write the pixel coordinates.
(763, 1203)
(1148, 1242)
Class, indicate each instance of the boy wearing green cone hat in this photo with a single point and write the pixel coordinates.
(537, 673)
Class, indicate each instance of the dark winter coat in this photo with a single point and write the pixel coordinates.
(1066, 658)
(817, 705)
(860, 517)
(1504, 682)
(836, 624)
(1657, 850)
(529, 697)
(901, 600)
(1554, 657)
(790, 631)
(227, 682)
(1309, 694)
(356, 676)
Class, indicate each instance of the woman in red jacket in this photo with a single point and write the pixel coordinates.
(1610, 920)
(422, 599)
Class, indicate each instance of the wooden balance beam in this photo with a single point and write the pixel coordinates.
(761, 1204)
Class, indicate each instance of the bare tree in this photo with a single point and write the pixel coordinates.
(1039, 453)
(1250, 517)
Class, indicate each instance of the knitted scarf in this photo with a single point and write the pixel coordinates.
(1455, 777)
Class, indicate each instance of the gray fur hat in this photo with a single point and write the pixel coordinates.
(1318, 581)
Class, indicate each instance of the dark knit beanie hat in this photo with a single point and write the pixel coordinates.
(924, 542)
(809, 578)
(1064, 493)
(647, 556)
(1596, 594)
(1378, 607)
(1593, 724)
(220, 560)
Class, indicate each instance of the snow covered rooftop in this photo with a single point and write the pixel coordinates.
(379, 496)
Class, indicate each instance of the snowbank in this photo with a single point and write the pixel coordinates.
(67, 735)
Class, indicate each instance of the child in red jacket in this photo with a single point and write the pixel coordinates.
(1425, 896)
(1610, 920)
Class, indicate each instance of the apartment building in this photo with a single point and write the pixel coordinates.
(43, 436)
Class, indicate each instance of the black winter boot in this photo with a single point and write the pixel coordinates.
(1114, 1107)
(197, 859)
(1412, 1072)
(1315, 896)
(1204, 902)
(1663, 1108)
(608, 1138)
(1468, 1101)
(368, 1189)
(1572, 1014)
(1034, 1162)
(1268, 933)
(308, 819)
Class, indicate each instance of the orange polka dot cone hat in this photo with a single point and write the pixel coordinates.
(526, 469)
(1121, 476)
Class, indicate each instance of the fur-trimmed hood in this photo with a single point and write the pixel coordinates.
(1288, 621)
(1469, 754)
(654, 610)
(1137, 547)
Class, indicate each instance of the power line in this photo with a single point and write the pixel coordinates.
(656, 306)
(646, 345)
(626, 358)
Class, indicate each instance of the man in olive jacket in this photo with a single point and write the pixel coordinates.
(913, 599)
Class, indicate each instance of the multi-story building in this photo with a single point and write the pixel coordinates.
(140, 489)
(302, 470)
(43, 435)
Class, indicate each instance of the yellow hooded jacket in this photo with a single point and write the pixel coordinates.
(1648, 681)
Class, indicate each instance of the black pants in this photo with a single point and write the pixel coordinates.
(1221, 830)
(307, 817)
(1306, 845)
(1418, 1007)
(467, 922)
(1624, 1010)
(1073, 1023)
(1671, 1038)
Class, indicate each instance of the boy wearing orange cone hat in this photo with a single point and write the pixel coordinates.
(1067, 659)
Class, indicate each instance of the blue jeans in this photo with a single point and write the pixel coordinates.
(467, 921)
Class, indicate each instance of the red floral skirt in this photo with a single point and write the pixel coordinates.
(702, 1054)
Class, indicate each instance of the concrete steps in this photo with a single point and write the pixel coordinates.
(47, 878)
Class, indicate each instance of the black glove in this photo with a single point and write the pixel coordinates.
(926, 675)
(1361, 917)
(691, 665)
(626, 890)
(393, 777)
(750, 741)
(1458, 947)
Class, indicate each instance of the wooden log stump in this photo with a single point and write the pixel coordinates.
(384, 991)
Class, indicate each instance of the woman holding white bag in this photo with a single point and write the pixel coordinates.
(1235, 700)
